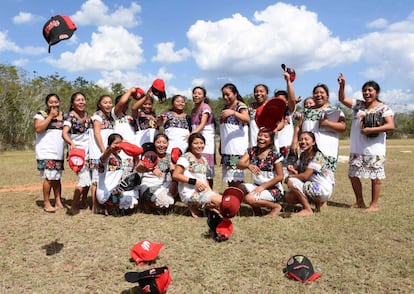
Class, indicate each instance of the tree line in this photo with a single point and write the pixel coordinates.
(22, 95)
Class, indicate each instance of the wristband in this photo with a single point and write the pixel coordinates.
(192, 181)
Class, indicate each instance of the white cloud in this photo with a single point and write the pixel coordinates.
(378, 23)
(10, 46)
(20, 62)
(95, 12)
(239, 46)
(6, 44)
(25, 17)
(111, 49)
(166, 53)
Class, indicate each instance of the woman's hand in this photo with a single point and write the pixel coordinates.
(200, 186)
(257, 190)
(254, 169)
(54, 111)
(227, 112)
(157, 172)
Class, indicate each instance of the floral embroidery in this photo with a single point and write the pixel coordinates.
(232, 119)
(77, 127)
(230, 160)
(266, 164)
(50, 164)
(147, 121)
(175, 122)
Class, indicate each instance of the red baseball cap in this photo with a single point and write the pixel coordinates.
(231, 201)
(138, 93)
(145, 251)
(271, 113)
(130, 149)
(290, 71)
(175, 154)
(76, 159)
(158, 89)
(224, 229)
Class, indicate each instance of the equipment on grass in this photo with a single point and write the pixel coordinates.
(145, 251)
(155, 280)
(300, 268)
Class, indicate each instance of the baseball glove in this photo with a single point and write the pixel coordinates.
(371, 120)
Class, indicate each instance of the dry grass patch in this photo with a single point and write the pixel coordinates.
(357, 252)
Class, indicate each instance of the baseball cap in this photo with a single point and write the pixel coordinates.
(290, 71)
(224, 230)
(76, 159)
(231, 201)
(175, 154)
(58, 28)
(130, 149)
(271, 113)
(138, 93)
(158, 89)
(300, 268)
(145, 251)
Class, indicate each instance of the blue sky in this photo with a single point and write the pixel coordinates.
(209, 43)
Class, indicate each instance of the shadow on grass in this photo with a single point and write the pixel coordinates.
(53, 248)
(338, 204)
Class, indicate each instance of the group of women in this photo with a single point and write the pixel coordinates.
(301, 156)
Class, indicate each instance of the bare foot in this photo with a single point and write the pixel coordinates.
(49, 209)
(194, 211)
(371, 209)
(274, 212)
(305, 212)
(59, 206)
(358, 205)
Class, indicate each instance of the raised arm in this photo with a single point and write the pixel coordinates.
(341, 92)
(291, 92)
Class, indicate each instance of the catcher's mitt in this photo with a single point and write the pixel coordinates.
(371, 120)
(130, 182)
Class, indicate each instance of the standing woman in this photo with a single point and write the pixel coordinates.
(368, 143)
(123, 122)
(234, 137)
(202, 121)
(260, 93)
(75, 133)
(145, 119)
(49, 150)
(176, 124)
(325, 122)
(102, 123)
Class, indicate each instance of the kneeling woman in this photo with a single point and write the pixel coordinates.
(190, 173)
(265, 164)
(312, 181)
(157, 190)
(113, 168)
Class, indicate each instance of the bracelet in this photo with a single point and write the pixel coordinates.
(192, 181)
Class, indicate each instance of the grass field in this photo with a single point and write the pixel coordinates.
(357, 252)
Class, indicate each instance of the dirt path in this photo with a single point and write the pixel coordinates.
(31, 188)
